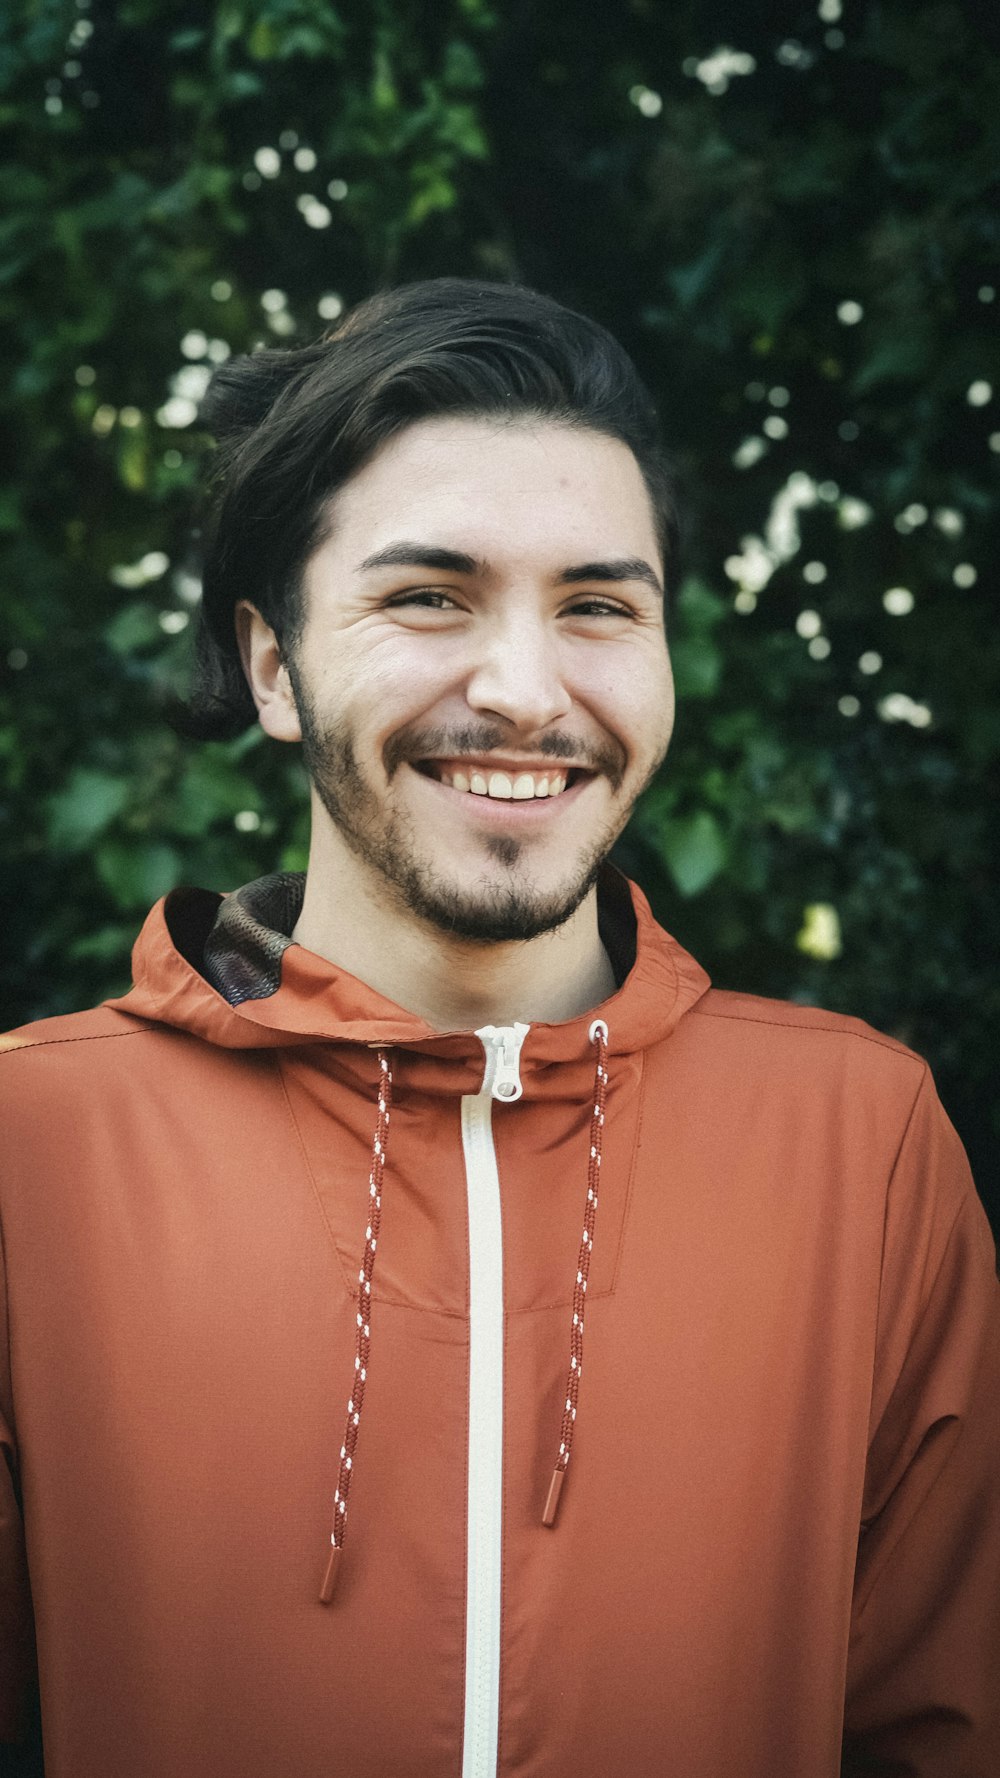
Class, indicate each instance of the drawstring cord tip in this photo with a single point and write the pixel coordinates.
(329, 1586)
(552, 1503)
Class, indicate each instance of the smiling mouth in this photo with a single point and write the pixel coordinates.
(501, 786)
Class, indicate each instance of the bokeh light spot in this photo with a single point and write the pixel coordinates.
(820, 935)
(898, 601)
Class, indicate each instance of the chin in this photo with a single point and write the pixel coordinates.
(499, 914)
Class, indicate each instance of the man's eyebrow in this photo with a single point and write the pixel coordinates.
(623, 568)
(422, 555)
(453, 561)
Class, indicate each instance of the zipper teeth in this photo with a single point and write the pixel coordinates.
(502, 1079)
(485, 1475)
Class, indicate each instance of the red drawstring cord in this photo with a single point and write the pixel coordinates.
(356, 1402)
(599, 1037)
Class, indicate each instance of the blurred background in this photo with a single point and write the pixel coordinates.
(788, 213)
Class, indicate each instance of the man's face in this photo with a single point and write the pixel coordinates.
(482, 680)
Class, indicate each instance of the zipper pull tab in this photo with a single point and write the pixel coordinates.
(502, 1043)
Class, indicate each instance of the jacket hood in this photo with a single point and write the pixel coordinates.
(273, 993)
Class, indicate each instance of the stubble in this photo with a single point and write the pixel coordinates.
(502, 907)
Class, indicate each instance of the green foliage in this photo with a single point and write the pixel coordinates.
(796, 236)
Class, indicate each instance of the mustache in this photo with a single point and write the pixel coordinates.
(605, 757)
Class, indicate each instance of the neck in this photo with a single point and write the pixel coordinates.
(455, 984)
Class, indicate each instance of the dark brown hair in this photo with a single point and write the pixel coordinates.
(293, 425)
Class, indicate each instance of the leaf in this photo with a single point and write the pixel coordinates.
(109, 944)
(133, 463)
(211, 790)
(137, 872)
(690, 282)
(699, 605)
(263, 41)
(697, 666)
(437, 194)
(135, 627)
(84, 808)
(694, 849)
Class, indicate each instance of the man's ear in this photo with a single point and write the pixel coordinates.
(267, 675)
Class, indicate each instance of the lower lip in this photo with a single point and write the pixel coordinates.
(497, 808)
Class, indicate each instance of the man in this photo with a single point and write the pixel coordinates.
(662, 1322)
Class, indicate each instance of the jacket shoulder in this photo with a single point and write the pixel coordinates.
(101, 1022)
(52, 1069)
(777, 1022)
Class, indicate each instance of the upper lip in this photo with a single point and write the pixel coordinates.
(493, 762)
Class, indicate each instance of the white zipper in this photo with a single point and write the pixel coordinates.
(501, 1080)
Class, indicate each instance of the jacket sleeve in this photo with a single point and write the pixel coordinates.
(923, 1683)
(17, 1655)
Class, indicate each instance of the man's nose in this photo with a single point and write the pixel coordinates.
(519, 675)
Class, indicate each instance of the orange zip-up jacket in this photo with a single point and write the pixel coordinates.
(777, 1549)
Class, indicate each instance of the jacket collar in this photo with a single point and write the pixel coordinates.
(227, 970)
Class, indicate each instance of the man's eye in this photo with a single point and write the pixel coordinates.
(597, 607)
(425, 598)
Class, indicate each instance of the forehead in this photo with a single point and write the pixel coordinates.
(504, 486)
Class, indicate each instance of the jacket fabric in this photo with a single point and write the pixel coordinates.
(777, 1551)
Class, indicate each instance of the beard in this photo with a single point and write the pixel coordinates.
(504, 906)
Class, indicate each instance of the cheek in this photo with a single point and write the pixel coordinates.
(661, 711)
(427, 688)
(634, 699)
(392, 687)
(378, 684)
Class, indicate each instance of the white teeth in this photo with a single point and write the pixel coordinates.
(521, 788)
